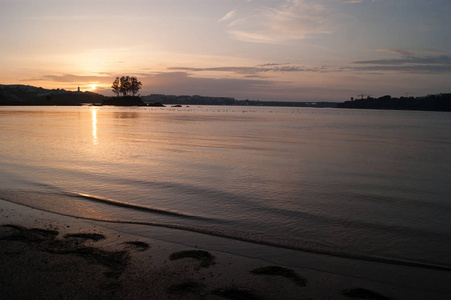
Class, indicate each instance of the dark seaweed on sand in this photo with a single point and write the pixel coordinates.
(281, 271)
(363, 294)
(86, 236)
(205, 258)
(18, 233)
(45, 240)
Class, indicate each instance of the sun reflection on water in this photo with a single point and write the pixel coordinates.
(94, 126)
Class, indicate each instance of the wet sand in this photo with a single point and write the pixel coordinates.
(46, 256)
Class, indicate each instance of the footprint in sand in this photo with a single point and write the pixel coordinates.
(205, 258)
(281, 271)
(137, 245)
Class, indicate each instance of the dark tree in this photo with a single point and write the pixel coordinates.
(125, 85)
(135, 85)
(116, 86)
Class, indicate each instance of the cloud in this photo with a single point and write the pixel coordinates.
(71, 78)
(228, 16)
(439, 60)
(356, 1)
(409, 62)
(265, 68)
(402, 52)
(290, 20)
(272, 64)
(183, 83)
(420, 69)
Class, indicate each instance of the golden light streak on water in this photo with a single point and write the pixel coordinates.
(94, 126)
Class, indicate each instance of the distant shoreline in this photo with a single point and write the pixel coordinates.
(22, 95)
(439, 102)
(28, 95)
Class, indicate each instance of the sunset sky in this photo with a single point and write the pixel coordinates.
(285, 50)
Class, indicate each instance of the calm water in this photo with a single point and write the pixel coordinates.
(354, 183)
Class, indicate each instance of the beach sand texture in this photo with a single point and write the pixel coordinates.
(45, 256)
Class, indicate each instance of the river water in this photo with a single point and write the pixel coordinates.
(363, 184)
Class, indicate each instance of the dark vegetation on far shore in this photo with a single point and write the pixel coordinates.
(29, 95)
(439, 102)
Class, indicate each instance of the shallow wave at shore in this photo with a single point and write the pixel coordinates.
(204, 225)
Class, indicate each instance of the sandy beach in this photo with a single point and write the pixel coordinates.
(48, 256)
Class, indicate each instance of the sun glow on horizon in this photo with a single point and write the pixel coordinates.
(93, 87)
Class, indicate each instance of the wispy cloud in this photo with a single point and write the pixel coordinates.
(439, 60)
(409, 62)
(71, 78)
(411, 53)
(290, 20)
(357, 1)
(229, 16)
(419, 69)
(264, 68)
(183, 83)
(401, 52)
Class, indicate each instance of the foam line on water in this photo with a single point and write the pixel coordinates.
(138, 207)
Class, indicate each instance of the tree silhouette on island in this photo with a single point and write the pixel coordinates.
(126, 85)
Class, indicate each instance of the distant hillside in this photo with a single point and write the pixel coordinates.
(439, 102)
(30, 95)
